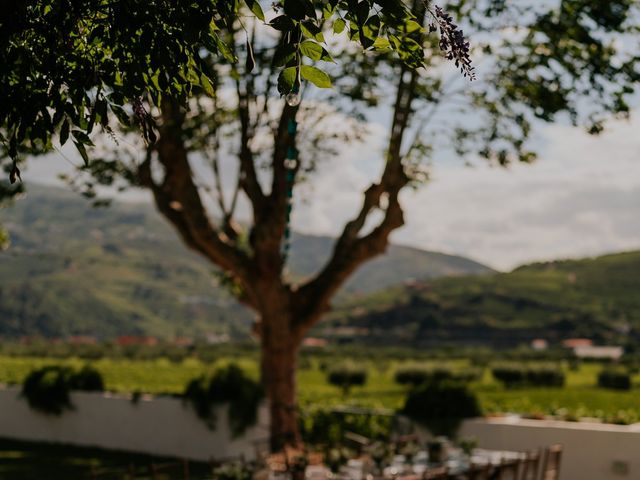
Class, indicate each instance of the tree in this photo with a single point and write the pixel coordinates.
(562, 53)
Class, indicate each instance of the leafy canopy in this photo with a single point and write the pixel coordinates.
(70, 66)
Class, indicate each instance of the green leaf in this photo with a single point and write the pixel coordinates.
(316, 76)
(311, 49)
(338, 26)
(206, 85)
(413, 26)
(311, 30)
(298, 9)
(255, 7)
(64, 132)
(250, 63)
(382, 43)
(287, 80)
(83, 152)
(283, 55)
(82, 137)
(362, 12)
(282, 23)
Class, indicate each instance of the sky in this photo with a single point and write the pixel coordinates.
(581, 198)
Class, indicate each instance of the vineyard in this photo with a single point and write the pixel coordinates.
(580, 396)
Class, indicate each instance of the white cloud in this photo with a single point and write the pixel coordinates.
(581, 198)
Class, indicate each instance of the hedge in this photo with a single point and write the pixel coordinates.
(347, 375)
(614, 378)
(418, 374)
(520, 375)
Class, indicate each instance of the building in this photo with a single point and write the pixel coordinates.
(604, 352)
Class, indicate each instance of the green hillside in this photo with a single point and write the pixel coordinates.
(597, 298)
(73, 269)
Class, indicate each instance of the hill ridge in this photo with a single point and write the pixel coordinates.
(73, 269)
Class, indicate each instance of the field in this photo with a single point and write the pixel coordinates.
(579, 398)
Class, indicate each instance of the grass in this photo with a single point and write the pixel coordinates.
(580, 397)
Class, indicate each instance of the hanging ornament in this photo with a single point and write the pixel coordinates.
(290, 165)
(293, 99)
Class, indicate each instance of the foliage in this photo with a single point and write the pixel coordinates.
(418, 374)
(441, 406)
(521, 375)
(73, 287)
(347, 375)
(70, 68)
(47, 389)
(233, 471)
(592, 298)
(87, 379)
(231, 386)
(580, 398)
(328, 426)
(614, 378)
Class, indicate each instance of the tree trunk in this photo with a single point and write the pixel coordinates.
(279, 360)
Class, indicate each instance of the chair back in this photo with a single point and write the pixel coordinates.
(530, 467)
(551, 469)
(508, 469)
(479, 471)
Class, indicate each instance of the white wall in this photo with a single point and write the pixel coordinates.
(164, 426)
(592, 451)
(157, 426)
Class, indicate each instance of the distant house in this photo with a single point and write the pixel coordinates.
(577, 342)
(82, 340)
(604, 352)
(314, 342)
(183, 341)
(216, 338)
(539, 344)
(127, 340)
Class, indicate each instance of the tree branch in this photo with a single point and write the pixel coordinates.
(351, 250)
(178, 199)
(248, 175)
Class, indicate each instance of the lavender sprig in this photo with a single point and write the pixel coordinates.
(452, 42)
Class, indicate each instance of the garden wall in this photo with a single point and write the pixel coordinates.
(163, 426)
(592, 451)
(160, 426)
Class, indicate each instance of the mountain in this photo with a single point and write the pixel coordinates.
(74, 269)
(596, 298)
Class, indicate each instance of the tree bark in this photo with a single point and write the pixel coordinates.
(280, 347)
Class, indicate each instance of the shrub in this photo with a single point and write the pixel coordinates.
(88, 379)
(441, 406)
(614, 378)
(47, 389)
(418, 374)
(228, 385)
(346, 376)
(520, 375)
(545, 376)
(321, 426)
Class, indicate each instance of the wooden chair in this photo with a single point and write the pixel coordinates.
(551, 468)
(508, 469)
(439, 473)
(530, 467)
(479, 471)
